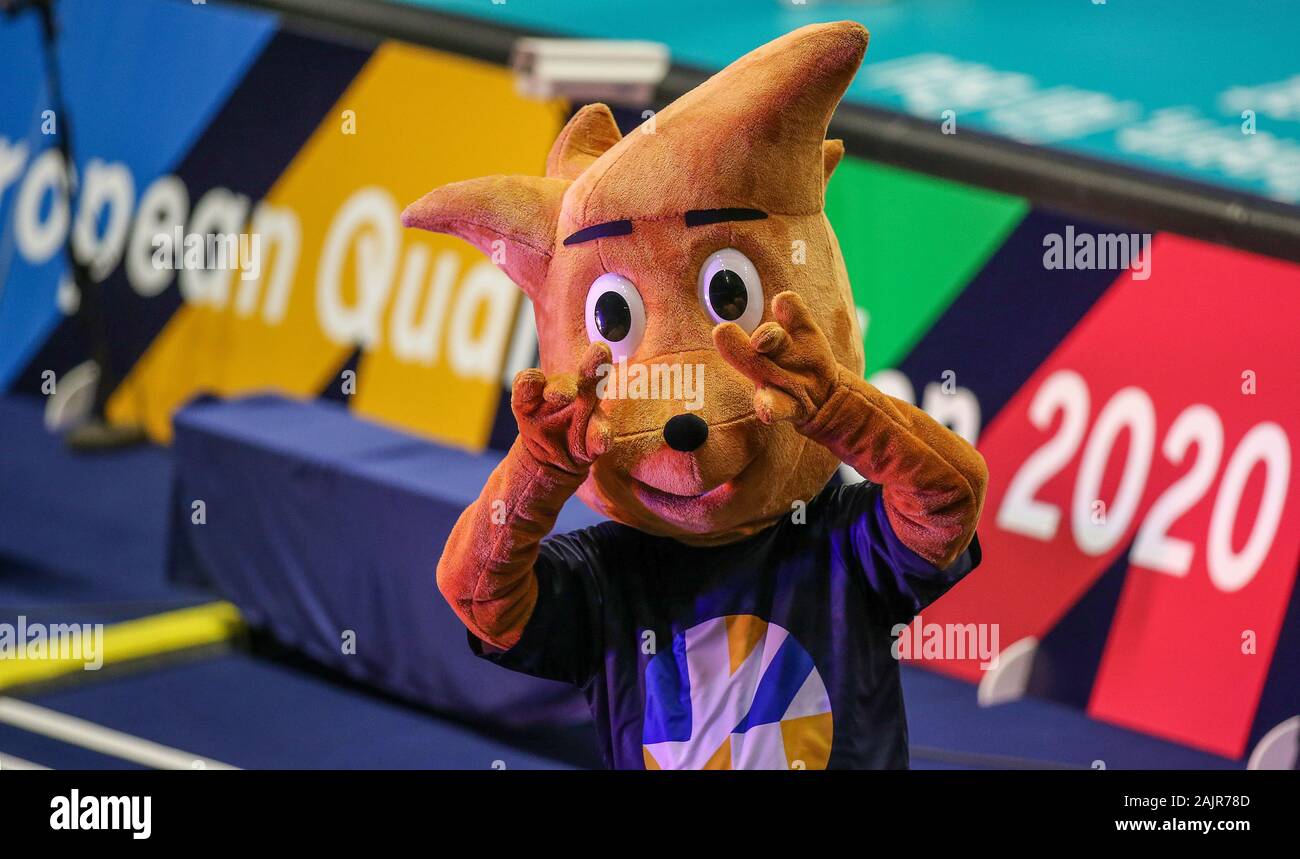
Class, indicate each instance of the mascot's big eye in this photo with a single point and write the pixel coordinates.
(615, 314)
(730, 289)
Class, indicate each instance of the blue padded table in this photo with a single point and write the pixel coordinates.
(326, 530)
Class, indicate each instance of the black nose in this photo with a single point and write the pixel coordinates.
(685, 432)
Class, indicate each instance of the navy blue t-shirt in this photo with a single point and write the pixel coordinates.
(769, 653)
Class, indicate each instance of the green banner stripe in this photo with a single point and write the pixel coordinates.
(911, 244)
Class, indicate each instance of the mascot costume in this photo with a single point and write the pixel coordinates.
(737, 611)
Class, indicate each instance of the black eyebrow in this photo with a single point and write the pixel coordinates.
(701, 217)
(600, 231)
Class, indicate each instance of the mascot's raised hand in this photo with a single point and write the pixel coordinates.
(558, 422)
(789, 360)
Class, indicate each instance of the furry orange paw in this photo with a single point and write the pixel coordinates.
(789, 360)
(558, 421)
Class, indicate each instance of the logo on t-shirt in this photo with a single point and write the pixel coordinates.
(735, 692)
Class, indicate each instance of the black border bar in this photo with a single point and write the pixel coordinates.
(1075, 184)
(964, 808)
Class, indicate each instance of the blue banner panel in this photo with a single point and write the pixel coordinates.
(137, 110)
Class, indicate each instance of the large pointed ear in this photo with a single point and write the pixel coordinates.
(832, 152)
(590, 132)
(512, 219)
(750, 136)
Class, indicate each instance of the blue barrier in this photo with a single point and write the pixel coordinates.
(326, 530)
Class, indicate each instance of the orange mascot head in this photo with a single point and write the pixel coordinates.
(700, 216)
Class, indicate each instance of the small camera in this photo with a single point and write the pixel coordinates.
(586, 70)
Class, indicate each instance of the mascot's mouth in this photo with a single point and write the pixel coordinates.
(650, 494)
(660, 476)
